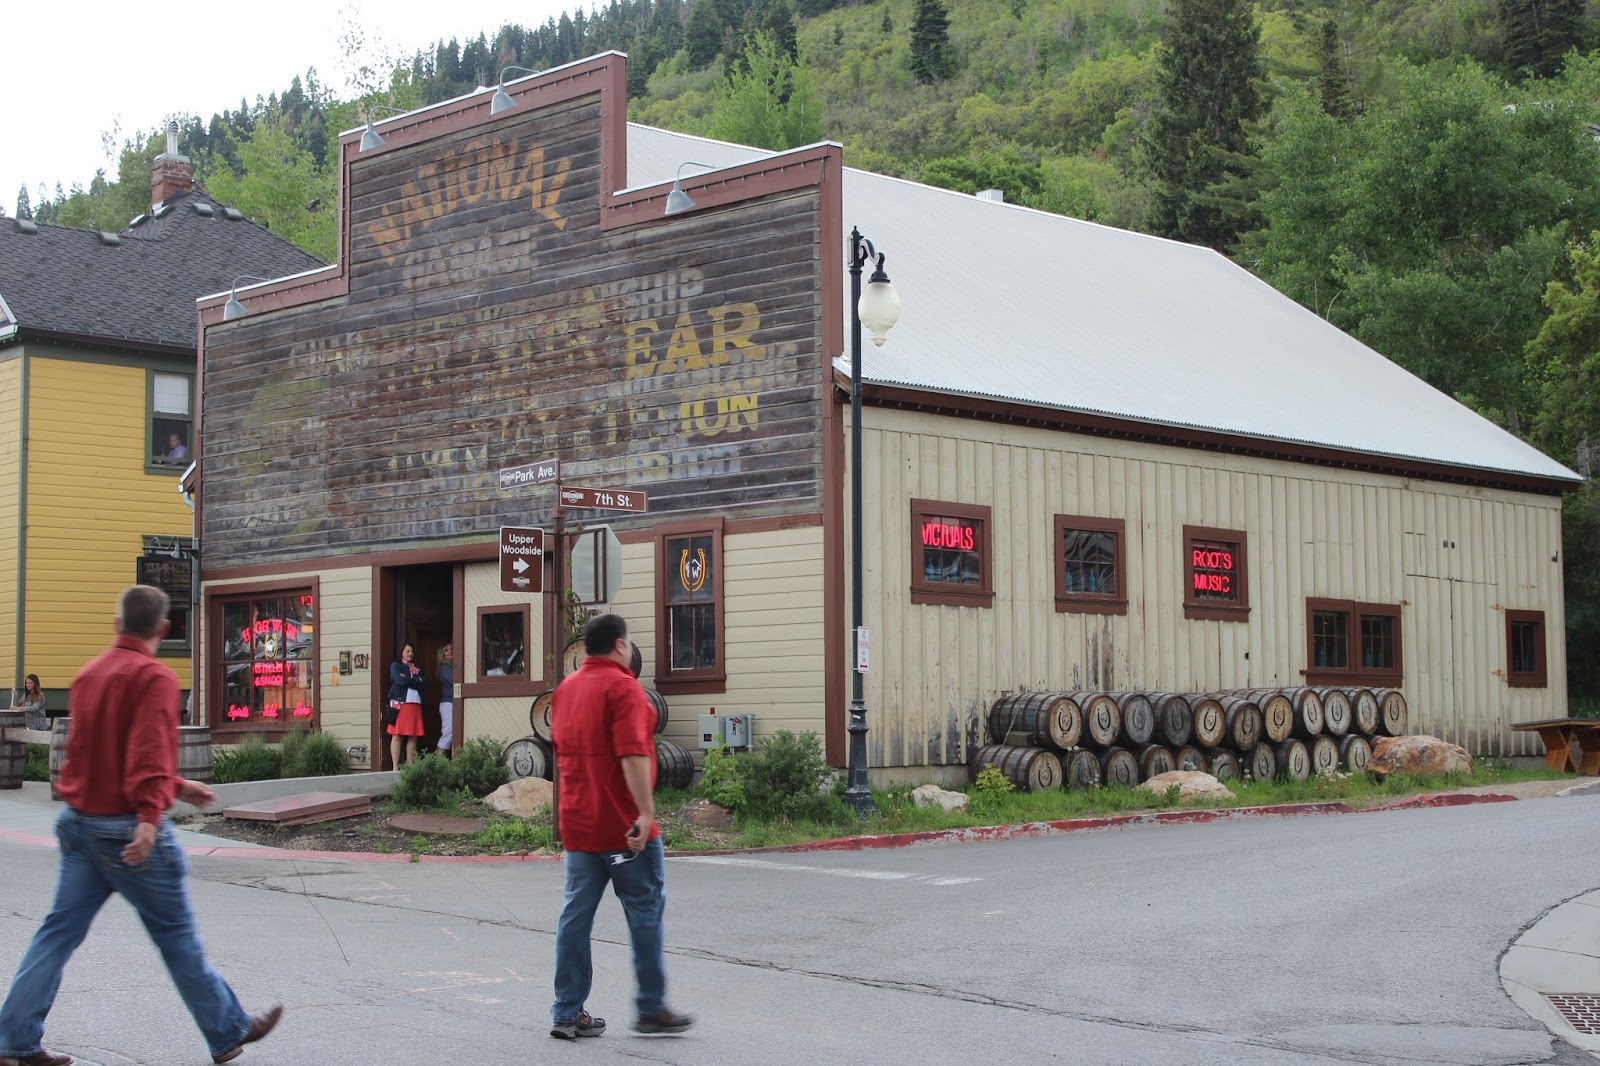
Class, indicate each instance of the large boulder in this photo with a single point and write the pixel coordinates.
(524, 797)
(1192, 784)
(934, 796)
(1417, 755)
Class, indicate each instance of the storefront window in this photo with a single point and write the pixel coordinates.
(1352, 643)
(950, 554)
(1525, 666)
(503, 642)
(691, 650)
(268, 661)
(1089, 565)
(1215, 586)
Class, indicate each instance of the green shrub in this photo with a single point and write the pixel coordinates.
(720, 779)
(248, 760)
(784, 778)
(289, 750)
(481, 765)
(37, 767)
(428, 781)
(516, 834)
(316, 755)
(991, 782)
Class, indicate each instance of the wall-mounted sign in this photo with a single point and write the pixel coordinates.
(172, 576)
(521, 559)
(344, 662)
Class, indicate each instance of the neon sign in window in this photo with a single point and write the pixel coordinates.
(267, 659)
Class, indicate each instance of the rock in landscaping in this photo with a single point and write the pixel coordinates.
(705, 814)
(934, 796)
(1191, 785)
(1417, 755)
(524, 797)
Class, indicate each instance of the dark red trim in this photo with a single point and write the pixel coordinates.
(486, 685)
(476, 552)
(1539, 676)
(1353, 673)
(831, 324)
(946, 595)
(789, 172)
(458, 637)
(730, 527)
(1196, 609)
(213, 658)
(1091, 602)
(682, 682)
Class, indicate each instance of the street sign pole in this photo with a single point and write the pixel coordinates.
(560, 642)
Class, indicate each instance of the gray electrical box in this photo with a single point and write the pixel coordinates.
(738, 730)
(711, 731)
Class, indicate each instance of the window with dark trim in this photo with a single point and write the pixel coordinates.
(503, 642)
(691, 648)
(268, 665)
(170, 424)
(951, 562)
(1088, 564)
(1215, 586)
(1352, 643)
(1525, 661)
(168, 564)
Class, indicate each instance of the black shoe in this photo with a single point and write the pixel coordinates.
(582, 1025)
(666, 1023)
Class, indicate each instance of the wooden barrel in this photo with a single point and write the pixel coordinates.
(1209, 721)
(1174, 719)
(1294, 760)
(1391, 712)
(1354, 751)
(13, 753)
(659, 702)
(1277, 711)
(194, 752)
(58, 751)
(1081, 769)
(1307, 712)
(1363, 710)
(1119, 768)
(1102, 719)
(1138, 719)
(1222, 764)
(529, 757)
(1030, 769)
(1155, 760)
(539, 716)
(1324, 756)
(1244, 723)
(674, 764)
(1260, 763)
(1045, 719)
(1335, 711)
(1191, 758)
(574, 653)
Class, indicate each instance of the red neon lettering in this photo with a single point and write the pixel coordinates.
(236, 712)
(1212, 560)
(270, 711)
(939, 535)
(302, 711)
(1213, 583)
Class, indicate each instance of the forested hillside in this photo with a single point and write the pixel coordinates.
(1423, 173)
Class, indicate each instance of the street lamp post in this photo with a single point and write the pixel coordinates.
(878, 309)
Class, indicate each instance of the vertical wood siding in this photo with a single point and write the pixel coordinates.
(1454, 558)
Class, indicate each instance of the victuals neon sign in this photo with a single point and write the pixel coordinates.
(938, 534)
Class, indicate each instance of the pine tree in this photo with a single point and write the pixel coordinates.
(778, 23)
(24, 208)
(1536, 35)
(1331, 75)
(1209, 65)
(930, 42)
(703, 35)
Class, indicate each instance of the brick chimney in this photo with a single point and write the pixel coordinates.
(172, 173)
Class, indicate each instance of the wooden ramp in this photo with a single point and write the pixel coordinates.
(302, 809)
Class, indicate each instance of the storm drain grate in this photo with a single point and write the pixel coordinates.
(1580, 1009)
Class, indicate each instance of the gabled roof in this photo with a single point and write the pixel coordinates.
(136, 288)
(1005, 303)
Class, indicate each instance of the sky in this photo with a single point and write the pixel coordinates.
(124, 68)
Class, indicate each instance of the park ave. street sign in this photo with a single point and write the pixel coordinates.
(540, 473)
(521, 559)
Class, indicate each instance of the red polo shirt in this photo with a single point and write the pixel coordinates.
(599, 713)
(122, 750)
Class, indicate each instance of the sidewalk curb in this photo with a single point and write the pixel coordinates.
(924, 838)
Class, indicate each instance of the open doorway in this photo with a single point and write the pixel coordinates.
(416, 606)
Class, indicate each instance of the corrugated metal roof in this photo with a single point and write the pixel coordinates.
(1004, 302)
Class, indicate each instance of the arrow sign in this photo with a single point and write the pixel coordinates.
(613, 499)
(521, 550)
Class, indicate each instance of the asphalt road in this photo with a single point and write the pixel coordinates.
(1369, 938)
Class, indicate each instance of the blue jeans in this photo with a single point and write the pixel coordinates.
(92, 869)
(641, 886)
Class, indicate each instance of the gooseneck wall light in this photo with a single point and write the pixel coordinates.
(678, 201)
(878, 309)
(502, 100)
(233, 308)
(369, 136)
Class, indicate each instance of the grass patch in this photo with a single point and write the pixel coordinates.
(1583, 707)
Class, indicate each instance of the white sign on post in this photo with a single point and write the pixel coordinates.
(596, 565)
(863, 646)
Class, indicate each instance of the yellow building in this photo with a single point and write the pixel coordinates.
(97, 409)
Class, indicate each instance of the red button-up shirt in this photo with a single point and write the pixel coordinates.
(122, 748)
(598, 714)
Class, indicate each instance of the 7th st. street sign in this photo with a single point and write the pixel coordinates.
(612, 499)
(521, 559)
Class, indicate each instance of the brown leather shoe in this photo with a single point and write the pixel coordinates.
(38, 1058)
(260, 1025)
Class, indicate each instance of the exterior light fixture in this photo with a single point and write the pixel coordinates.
(502, 100)
(878, 309)
(369, 136)
(678, 201)
(233, 308)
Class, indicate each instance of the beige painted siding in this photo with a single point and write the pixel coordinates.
(10, 499)
(1455, 558)
(504, 718)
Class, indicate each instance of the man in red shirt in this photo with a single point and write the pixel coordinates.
(604, 733)
(119, 778)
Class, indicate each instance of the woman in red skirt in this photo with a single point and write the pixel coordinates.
(405, 696)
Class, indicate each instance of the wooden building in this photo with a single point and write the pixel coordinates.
(97, 371)
(1094, 459)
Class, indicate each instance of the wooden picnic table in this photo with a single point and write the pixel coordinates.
(1558, 735)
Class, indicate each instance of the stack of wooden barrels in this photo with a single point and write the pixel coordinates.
(1084, 740)
(533, 756)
